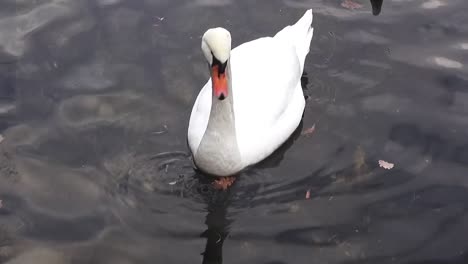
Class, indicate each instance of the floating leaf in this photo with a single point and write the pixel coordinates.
(309, 131)
(348, 4)
(386, 165)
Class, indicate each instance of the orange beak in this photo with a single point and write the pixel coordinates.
(219, 81)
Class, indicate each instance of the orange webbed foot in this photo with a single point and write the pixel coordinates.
(223, 183)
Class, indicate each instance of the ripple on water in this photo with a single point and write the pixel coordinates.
(41, 256)
(16, 29)
(37, 178)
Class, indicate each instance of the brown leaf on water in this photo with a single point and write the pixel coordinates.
(360, 166)
(351, 5)
(309, 131)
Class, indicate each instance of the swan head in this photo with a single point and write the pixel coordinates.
(216, 46)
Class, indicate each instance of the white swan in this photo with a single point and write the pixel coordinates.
(253, 101)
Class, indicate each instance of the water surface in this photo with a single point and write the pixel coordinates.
(95, 98)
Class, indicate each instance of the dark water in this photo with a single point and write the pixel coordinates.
(95, 97)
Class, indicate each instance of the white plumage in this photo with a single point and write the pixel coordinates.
(264, 104)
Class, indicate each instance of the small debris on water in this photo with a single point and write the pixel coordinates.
(173, 183)
(160, 20)
(1, 138)
(219, 239)
(1, 204)
(307, 196)
(163, 131)
(309, 131)
(386, 165)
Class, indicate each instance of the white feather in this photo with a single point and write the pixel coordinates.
(268, 101)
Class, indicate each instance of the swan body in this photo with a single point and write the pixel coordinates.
(253, 101)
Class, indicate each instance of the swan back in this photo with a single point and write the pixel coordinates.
(299, 35)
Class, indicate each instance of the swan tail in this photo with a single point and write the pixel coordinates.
(300, 34)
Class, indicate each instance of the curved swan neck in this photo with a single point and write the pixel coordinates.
(218, 151)
(225, 107)
(222, 111)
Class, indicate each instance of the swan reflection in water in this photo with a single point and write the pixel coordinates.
(218, 229)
